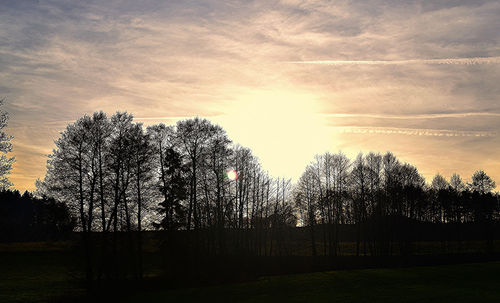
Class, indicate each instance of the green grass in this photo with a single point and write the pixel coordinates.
(36, 246)
(33, 275)
(36, 276)
(478, 282)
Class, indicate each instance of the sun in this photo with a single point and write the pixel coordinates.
(282, 126)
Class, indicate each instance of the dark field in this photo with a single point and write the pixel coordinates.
(478, 282)
(42, 272)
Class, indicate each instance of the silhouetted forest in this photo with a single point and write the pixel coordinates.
(212, 203)
(28, 218)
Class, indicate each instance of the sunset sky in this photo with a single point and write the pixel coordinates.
(289, 79)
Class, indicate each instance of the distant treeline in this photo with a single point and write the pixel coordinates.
(118, 176)
(335, 190)
(27, 218)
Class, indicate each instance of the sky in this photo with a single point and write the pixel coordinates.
(289, 79)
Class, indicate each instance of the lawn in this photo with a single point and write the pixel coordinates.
(479, 282)
(39, 276)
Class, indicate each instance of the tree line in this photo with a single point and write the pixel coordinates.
(119, 178)
(29, 218)
(335, 191)
(117, 175)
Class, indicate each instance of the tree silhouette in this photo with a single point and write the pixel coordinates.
(456, 183)
(28, 218)
(481, 182)
(173, 185)
(5, 147)
(439, 183)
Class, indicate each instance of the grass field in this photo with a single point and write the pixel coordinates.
(36, 276)
(49, 276)
(478, 282)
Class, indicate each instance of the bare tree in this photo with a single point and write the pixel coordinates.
(456, 183)
(439, 183)
(193, 135)
(72, 176)
(481, 182)
(306, 198)
(359, 192)
(5, 147)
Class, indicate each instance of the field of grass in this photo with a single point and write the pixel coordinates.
(39, 275)
(479, 282)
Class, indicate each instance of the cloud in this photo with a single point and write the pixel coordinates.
(464, 61)
(414, 116)
(164, 61)
(415, 132)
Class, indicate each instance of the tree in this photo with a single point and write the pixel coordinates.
(121, 161)
(68, 169)
(374, 167)
(143, 167)
(456, 183)
(391, 169)
(101, 133)
(412, 184)
(192, 137)
(5, 147)
(439, 183)
(72, 177)
(173, 185)
(163, 145)
(481, 182)
(359, 186)
(306, 200)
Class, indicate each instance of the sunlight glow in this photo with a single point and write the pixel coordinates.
(282, 126)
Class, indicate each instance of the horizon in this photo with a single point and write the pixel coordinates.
(287, 79)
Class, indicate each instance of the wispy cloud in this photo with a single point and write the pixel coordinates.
(446, 61)
(413, 131)
(410, 116)
(171, 118)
